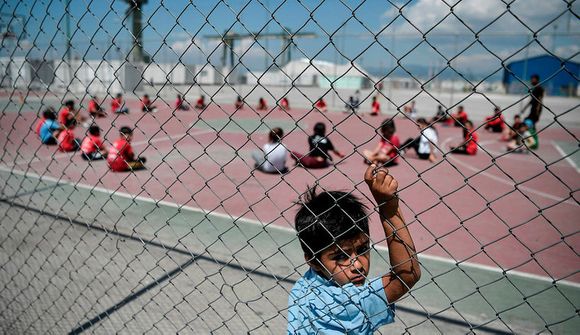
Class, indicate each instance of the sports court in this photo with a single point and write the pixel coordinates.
(201, 220)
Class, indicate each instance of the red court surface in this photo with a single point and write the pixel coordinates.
(462, 208)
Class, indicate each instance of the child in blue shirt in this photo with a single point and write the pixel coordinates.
(335, 296)
(50, 128)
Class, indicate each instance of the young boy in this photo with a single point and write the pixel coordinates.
(92, 147)
(285, 104)
(459, 118)
(470, 138)
(495, 123)
(50, 128)
(523, 140)
(272, 158)
(200, 103)
(180, 104)
(335, 296)
(146, 105)
(67, 112)
(425, 144)
(118, 105)
(262, 105)
(318, 157)
(66, 138)
(239, 104)
(375, 107)
(95, 110)
(121, 157)
(321, 105)
(387, 151)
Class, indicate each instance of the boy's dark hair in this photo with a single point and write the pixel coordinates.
(535, 76)
(126, 131)
(49, 114)
(70, 123)
(276, 134)
(327, 218)
(119, 95)
(145, 95)
(69, 103)
(468, 122)
(388, 125)
(95, 130)
(319, 129)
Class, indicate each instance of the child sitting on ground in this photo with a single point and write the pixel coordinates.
(95, 110)
(321, 105)
(496, 122)
(470, 138)
(285, 104)
(458, 119)
(68, 111)
(318, 156)
(118, 105)
(510, 133)
(262, 105)
(180, 104)
(200, 104)
(411, 110)
(92, 147)
(239, 104)
(375, 107)
(50, 128)
(386, 153)
(273, 157)
(146, 105)
(66, 138)
(336, 294)
(523, 141)
(440, 115)
(425, 144)
(121, 157)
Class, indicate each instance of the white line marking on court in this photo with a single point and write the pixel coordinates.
(506, 182)
(277, 227)
(136, 143)
(567, 157)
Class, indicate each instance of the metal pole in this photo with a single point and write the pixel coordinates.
(68, 45)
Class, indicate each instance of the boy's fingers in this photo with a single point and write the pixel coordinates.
(369, 174)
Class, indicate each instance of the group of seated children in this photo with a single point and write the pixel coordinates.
(120, 156)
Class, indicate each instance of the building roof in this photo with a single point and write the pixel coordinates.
(542, 56)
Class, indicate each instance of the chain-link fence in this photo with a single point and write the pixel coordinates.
(239, 107)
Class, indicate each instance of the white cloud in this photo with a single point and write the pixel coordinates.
(478, 14)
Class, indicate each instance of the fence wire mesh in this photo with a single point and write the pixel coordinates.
(223, 98)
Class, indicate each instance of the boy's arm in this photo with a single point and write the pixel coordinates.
(405, 266)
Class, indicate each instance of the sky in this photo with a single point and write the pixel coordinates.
(421, 36)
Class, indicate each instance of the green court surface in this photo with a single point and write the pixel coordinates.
(570, 151)
(119, 245)
(248, 126)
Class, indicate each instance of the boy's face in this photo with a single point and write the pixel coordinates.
(346, 261)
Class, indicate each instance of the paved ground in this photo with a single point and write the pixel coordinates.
(76, 257)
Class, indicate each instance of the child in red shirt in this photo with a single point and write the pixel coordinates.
(121, 157)
(496, 122)
(200, 103)
(375, 107)
(180, 104)
(321, 105)
(458, 118)
(470, 139)
(66, 138)
(285, 104)
(146, 105)
(95, 110)
(66, 112)
(92, 147)
(118, 105)
(387, 151)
